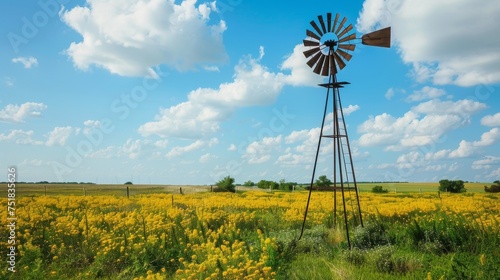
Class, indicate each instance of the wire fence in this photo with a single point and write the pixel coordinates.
(97, 190)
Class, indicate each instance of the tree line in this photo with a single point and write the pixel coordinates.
(227, 184)
(445, 185)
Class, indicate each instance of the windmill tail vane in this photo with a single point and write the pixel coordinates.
(330, 44)
(378, 38)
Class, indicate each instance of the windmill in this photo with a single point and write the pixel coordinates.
(329, 47)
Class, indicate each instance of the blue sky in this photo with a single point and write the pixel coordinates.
(187, 92)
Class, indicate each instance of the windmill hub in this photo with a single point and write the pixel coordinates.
(330, 43)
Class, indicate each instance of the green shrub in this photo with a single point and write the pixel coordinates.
(493, 188)
(286, 186)
(369, 236)
(249, 184)
(383, 259)
(355, 256)
(323, 182)
(445, 234)
(379, 189)
(388, 261)
(265, 184)
(226, 184)
(452, 186)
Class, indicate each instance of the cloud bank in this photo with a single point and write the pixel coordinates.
(130, 37)
(446, 42)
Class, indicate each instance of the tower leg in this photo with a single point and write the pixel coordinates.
(337, 148)
(315, 162)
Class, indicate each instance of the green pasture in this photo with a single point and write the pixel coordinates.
(121, 189)
(413, 187)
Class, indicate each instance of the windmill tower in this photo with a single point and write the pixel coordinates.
(329, 47)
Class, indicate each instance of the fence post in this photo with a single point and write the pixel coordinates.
(172, 200)
(84, 192)
(128, 193)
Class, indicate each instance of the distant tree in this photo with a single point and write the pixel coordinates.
(282, 184)
(265, 184)
(128, 183)
(323, 181)
(226, 184)
(286, 186)
(249, 184)
(379, 189)
(453, 186)
(493, 188)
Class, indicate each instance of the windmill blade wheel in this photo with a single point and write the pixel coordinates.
(328, 44)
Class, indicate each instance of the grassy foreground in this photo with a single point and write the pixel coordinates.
(253, 235)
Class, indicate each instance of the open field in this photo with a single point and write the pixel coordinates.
(419, 187)
(253, 235)
(100, 189)
(121, 190)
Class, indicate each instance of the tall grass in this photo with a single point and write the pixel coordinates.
(253, 235)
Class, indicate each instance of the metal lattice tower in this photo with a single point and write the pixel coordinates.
(329, 47)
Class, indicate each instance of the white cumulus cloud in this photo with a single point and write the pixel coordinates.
(468, 148)
(486, 163)
(350, 109)
(491, 120)
(59, 136)
(130, 37)
(300, 73)
(423, 125)
(28, 62)
(196, 145)
(207, 158)
(200, 115)
(20, 136)
(425, 93)
(17, 113)
(262, 151)
(447, 42)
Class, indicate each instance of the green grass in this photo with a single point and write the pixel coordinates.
(121, 189)
(440, 246)
(414, 187)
